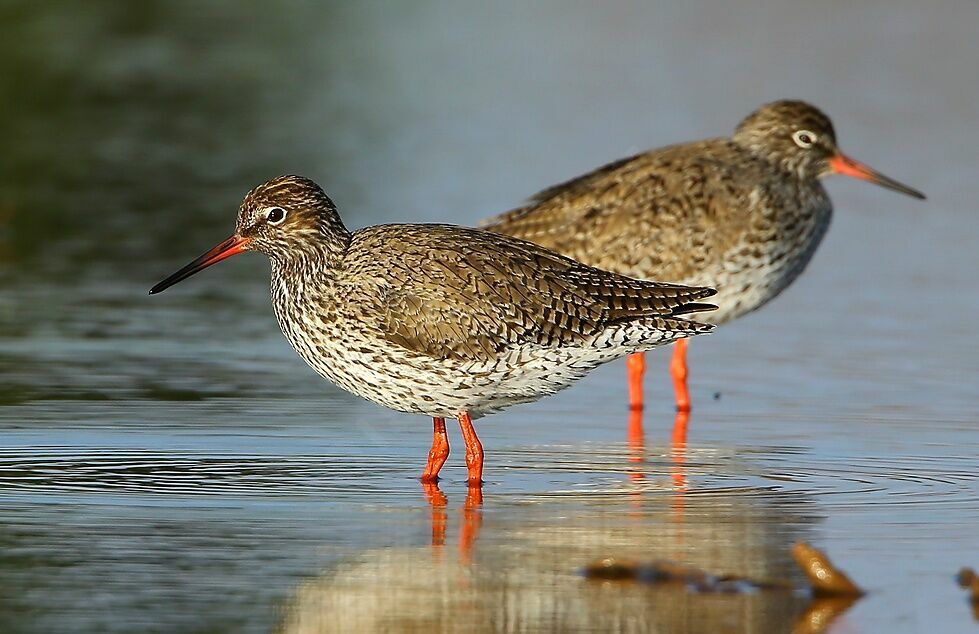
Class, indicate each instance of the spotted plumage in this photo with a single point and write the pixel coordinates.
(438, 319)
(744, 214)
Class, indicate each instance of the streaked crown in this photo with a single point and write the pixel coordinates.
(290, 215)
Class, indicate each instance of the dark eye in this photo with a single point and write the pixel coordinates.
(275, 215)
(804, 138)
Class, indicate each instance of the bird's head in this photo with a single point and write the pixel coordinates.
(286, 218)
(798, 138)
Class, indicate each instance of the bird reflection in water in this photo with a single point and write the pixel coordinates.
(522, 573)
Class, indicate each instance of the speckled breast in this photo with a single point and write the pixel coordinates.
(770, 255)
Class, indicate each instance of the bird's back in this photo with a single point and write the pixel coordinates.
(444, 290)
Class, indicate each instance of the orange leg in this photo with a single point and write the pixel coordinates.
(474, 450)
(678, 369)
(635, 368)
(438, 453)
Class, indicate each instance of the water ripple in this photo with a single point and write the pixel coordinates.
(585, 471)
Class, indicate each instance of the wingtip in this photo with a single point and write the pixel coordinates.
(703, 327)
(695, 328)
(693, 307)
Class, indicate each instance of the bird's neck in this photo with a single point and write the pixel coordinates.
(299, 280)
(313, 259)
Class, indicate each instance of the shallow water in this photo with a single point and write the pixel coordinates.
(168, 464)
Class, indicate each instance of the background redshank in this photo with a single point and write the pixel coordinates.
(743, 213)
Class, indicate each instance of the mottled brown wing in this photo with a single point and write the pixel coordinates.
(452, 292)
(530, 217)
(649, 216)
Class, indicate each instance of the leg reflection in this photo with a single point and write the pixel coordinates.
(636, 441)
(440, 518)
(472, 517)
(637, 444)
(678, 450)
(678, 472)
(678, 457)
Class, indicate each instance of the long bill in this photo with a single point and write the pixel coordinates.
(232, 246)
(842, 164)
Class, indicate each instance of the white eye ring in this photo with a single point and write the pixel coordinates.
(275, 215)
(804, 138)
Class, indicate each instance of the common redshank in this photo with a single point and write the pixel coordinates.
(442, 320)
(743, 214)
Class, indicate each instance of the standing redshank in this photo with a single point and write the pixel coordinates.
(442, 320)
(744, 214)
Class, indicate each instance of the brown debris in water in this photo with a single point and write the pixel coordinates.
(969, 580)
(611, 569)
(826, 579)
(670, 572)
(832, 592)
